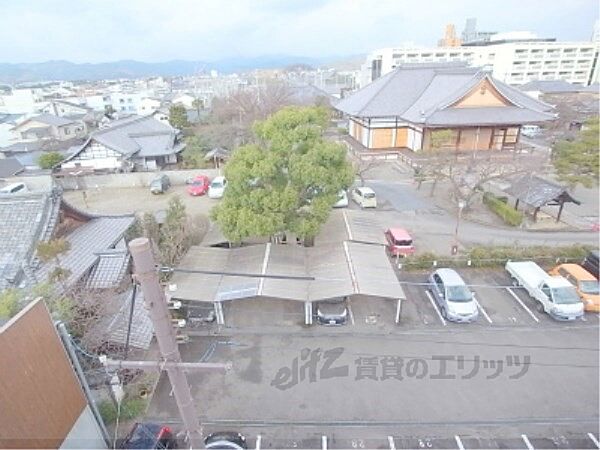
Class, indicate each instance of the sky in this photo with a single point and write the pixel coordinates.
(208, 30)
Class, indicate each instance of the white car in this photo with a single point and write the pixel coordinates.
(364, 197)
(342, 200)
(455, 300)
(217, 187)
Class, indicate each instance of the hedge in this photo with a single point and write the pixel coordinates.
(509, 215)
(487, 256)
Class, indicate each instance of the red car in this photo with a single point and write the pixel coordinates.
(399, 242)
(199, 185)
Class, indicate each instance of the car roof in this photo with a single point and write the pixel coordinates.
(365, 190)
(450, 277)
(219, 178)
(578, 272)
(400, 234)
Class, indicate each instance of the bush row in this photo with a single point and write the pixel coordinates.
(486, 256)
(499, 207)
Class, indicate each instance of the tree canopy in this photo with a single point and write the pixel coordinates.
(194, 152)
(178, 117)
(49, 160)
(287, 182)
(576, 161)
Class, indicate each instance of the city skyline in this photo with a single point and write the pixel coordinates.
(153, 31)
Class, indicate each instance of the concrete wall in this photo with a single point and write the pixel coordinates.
(34, 183)
(85, 432)
(133, 179)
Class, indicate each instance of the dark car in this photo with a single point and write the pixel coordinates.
(590, 263)
(226, 440)
(149, 435)
(332, 312)
(160, 184)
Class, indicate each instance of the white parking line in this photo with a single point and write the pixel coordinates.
(459, 443)
(391, 442)
(485, 314)
(323, 442)
(527, 443)
(435, 307)
(594, 440)
(516, 297)
(258, 441)
(351, 314)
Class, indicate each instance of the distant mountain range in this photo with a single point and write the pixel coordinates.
(68, 71)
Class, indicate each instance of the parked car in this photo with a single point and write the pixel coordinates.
(342, 200)
(585, 283)
(217, 187)
(530, 131)
(554, 295)
(160, 184)
(14, 188)
(332, 312)
(590, 263)
(226, 440)
(399, 242)
(149, 435)
(199, 185)
(452, 295)
(364, 197)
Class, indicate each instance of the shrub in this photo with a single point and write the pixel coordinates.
(49, 160)
(498, 206)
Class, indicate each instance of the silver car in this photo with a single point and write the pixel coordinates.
(453, 297)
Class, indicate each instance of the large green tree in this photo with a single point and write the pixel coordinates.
(576, 161)
(194, 152)
(49, 160)
(178, 117)
(287, 182)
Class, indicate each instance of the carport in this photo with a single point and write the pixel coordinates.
(320, 273)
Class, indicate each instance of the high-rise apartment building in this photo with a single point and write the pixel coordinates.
(514, 58)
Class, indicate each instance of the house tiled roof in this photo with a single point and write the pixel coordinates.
(48, 119)
(87, 242)
(10, 167)
(418, 93)
(110, 270)
(25, 219)
(549, 86)
(536, 191)
(137, 136)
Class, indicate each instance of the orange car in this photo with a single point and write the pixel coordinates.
(586, 284)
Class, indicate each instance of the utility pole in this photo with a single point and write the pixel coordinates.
(145, 272)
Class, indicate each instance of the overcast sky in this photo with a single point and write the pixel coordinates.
(160, 30)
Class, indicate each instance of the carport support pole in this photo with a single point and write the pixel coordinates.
(308, 314)
(156, 303)
(219, 313)
(398, 310)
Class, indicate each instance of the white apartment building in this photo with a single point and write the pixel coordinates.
(514, 58)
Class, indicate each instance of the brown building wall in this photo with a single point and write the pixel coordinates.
(40, 396)
(401, 137)
(382, 138)
(470, 141)
(484, 94)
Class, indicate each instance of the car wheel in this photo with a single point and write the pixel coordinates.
(540, 307)
(443, 312)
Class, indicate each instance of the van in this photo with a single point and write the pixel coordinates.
(160, 184)
(364, 197)
(590, 263)
(399, 242)
(14, 188)
(585, 283)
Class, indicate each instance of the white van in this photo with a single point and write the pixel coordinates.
(364, 197)
(14, 188)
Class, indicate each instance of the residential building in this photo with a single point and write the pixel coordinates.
(39, 216)
(513, 58)
(472, 34)
(148, 105)
(48, 127)
(7, 123)
(132, 143)
(450, 39)
(22, 101)
(43, 403)
(10, 167)
(408, 107)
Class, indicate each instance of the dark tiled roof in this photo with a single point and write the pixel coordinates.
(549, 86)
(536, 191)
(87, 241)
(48, 119)
(25, 219)
(416, 93)
(110, 270)
(10, 167)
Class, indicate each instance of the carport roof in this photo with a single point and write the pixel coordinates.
(338, 270)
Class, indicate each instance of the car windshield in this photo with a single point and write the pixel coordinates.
(198, 183)
(216, 184)
(565, 295)
(403, 243)
(369, 195)
(591, 287)
(458, 294)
